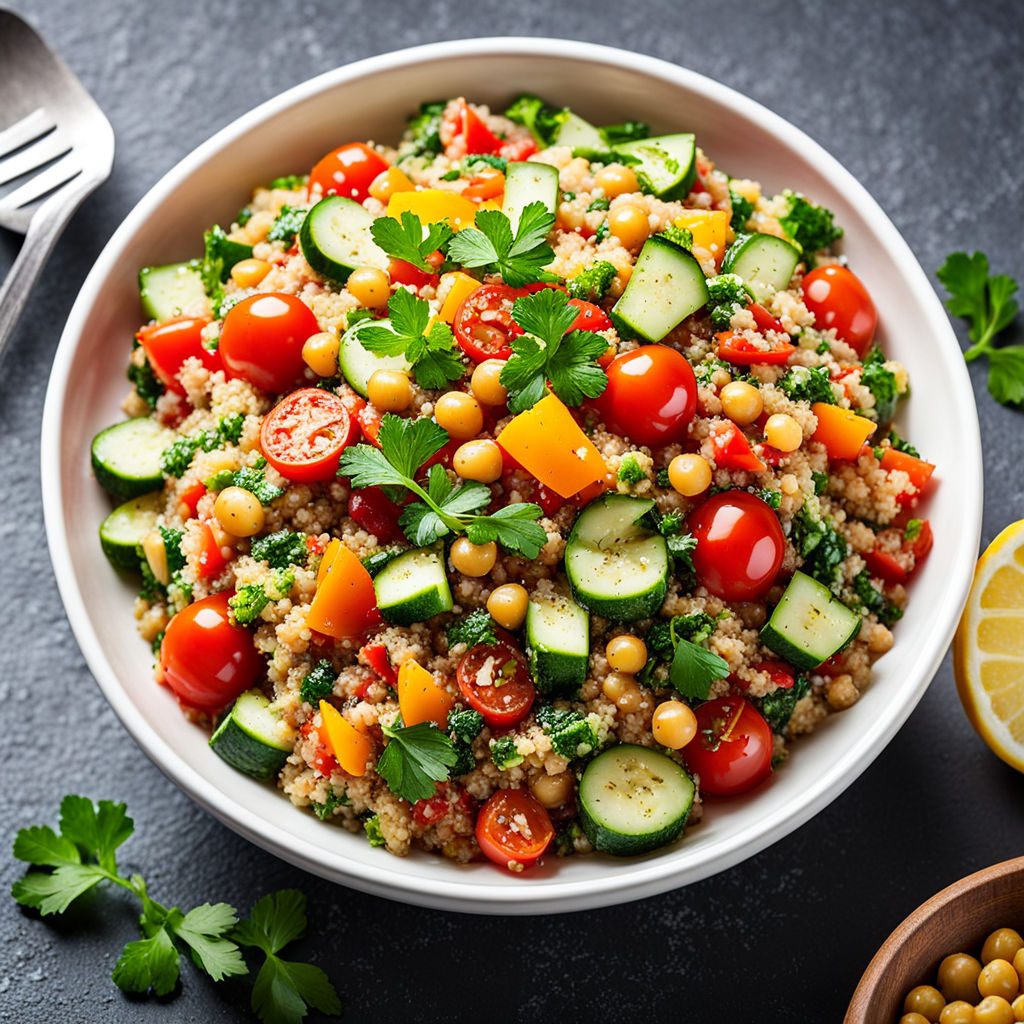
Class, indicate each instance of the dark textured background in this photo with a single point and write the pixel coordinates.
(922, 102)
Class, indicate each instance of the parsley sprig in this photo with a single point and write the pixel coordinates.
(692, 667)
(519, 257)
(415, 759)
(988, 303)
(432, 353)
(407, 240)
(546, 352)
(69, 863)
(405, 444)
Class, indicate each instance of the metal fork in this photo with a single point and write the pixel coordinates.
(55, 148)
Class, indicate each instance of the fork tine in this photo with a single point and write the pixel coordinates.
(33, 157)
(24, 131)
(53, 177)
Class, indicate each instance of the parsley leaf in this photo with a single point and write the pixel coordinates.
(514, 527)
(407, 444)
(97, 830)
(422, 525)
(520, 257)
(694, 669)
(150, 963)
(406, 240)
(417, 757)
(203, 928)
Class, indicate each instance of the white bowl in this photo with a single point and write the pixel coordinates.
(370, 100)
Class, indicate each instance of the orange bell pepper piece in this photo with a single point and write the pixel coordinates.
(352, 749)
(841, 431)
(344, 600)
(547, 442)
(420, 699)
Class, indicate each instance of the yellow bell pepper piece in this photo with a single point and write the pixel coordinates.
(432, 205)
(491, 204)
(547, 442)
(708, 227)
(420, 699)
(461, 286)
(352, 749)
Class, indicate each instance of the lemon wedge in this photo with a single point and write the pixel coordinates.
(988, 650)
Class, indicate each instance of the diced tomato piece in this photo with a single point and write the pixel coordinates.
(779, 672)
(211, 559)
(376, 656)
(922, 543)
(315, 546)
(735, 348)
(590, 318)
(919, 471)
(764, 320)
(324, 760)
(732, 449)
(885, 566)
(430, 810)
(479, 138)
(518, 149)
(190, 496)
(371, 508)
(402, 272)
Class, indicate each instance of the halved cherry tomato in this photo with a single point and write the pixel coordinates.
(303, 436)
(739, 545)
(464, 133)
(732, 449)
(211, 558)
(354, 404)
(494, 679)
(590, 317)
(402, 272)
(735, 348)
(732, 751)
(207, 659)
(764, 320)
(376, 656)
(483, 322)
(651, 395)
(348, 171)
(167, 345)
(371, 508)
(513, 829)
(262, 338)
(922, 543)
(838, 298)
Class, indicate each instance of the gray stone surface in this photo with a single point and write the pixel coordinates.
(922, 102)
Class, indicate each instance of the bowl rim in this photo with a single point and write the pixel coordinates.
(643, 878)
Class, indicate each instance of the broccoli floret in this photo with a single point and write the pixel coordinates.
(318, 683)
(279, 584)
(247, 602)
(475, 628)
(627, 131)
(243, 216)
(810, 226)
(177, 457)
(742, 209)
(881, 382)
(230, 427)
(771, 497)
(576, 739)
(542, 120)
(280, 549)
(292, 182)
(822, 548)
(820, 481)
(808, 384)
(286, 225)
(504, 753)
(630, 471)
(551, 718)
(681, 237)
(373, 831)
(872, 599)
(777, 708)
(727, 294)
(145, 381)
(179, 591)
(465, 760)
(465, 724)
(253, 479)
(375, 562)
(423, 130)
(172, 548)
(897, 442)
(592, 282)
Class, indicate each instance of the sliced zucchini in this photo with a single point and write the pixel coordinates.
(357, 364)
(666, 286)
(126, 457)
(617, 568)
(127, 526)
(765, 263)
(633, 800)
(527, 183)
(335, 239)
(253, 738)
(413, 587)
(166, 291)
(557, 644)
(576, 133)
(666, 164)
(809, 623)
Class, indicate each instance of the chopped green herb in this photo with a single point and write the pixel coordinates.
(742, 209)
(476, 628)
(318, 683)
(280, 549)
(491, 245)
(415, 759)
(287, 224)
(874, 600)
(291, 182)
(808, 384)
(727, 294)
(373, 831)
(630, 471)
(808, 225)
(600, 203)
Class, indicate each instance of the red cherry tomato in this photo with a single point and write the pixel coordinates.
(838, 299)
(590, 317)
(735, 348)
(732, 751)
(494, 679)
(513, 829)
(739, 545)
(371, 508)
(431, 810)
(651, 395)
(348, 171)
(403, 272)
(262, 338)
(483, 322)
(885, 566)
(303, 436)
(922, 543)
(167, 345)
(207, 659)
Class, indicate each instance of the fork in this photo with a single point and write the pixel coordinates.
(57, 150)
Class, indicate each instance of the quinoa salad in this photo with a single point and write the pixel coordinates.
(523, 489)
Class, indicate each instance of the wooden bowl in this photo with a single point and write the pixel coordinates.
(958, 919)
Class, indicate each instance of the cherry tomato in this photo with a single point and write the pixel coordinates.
(739, 545)
(348, 171)
(371, 508)
(483, 322)
(838, 299)
(354, 405)
(735, 348)
(651, 395)
(303, 436)
(885, 566)
(403, 272)
(207, 659)
(513, 829)
(732, 751)
(262, 338)
(167, 345)
(590, 317)
(922, 543)
(494, 679)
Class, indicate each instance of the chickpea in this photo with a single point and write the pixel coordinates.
(629, 224)
(389, 390)
(741, 402)
(841, 692)
(626, 653)
(993, 1010)
(880, 640)
(1018, 1008)
(674, 724)
(248, 273)
(460, 414)
(508, 605)
(1003, 943)
(958, 978)
(958, 1012)
(156, 555)
(998, 978)
(473, 559)
(239, 512)
(926, 1000)
(914, 1018)
(478, 460)
(320, 353)
(369, 286)
(616, 180)
(622, 690)
(783, 432)
(553, 791)
(1018, 965)
(689, 474)
(485, 384)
